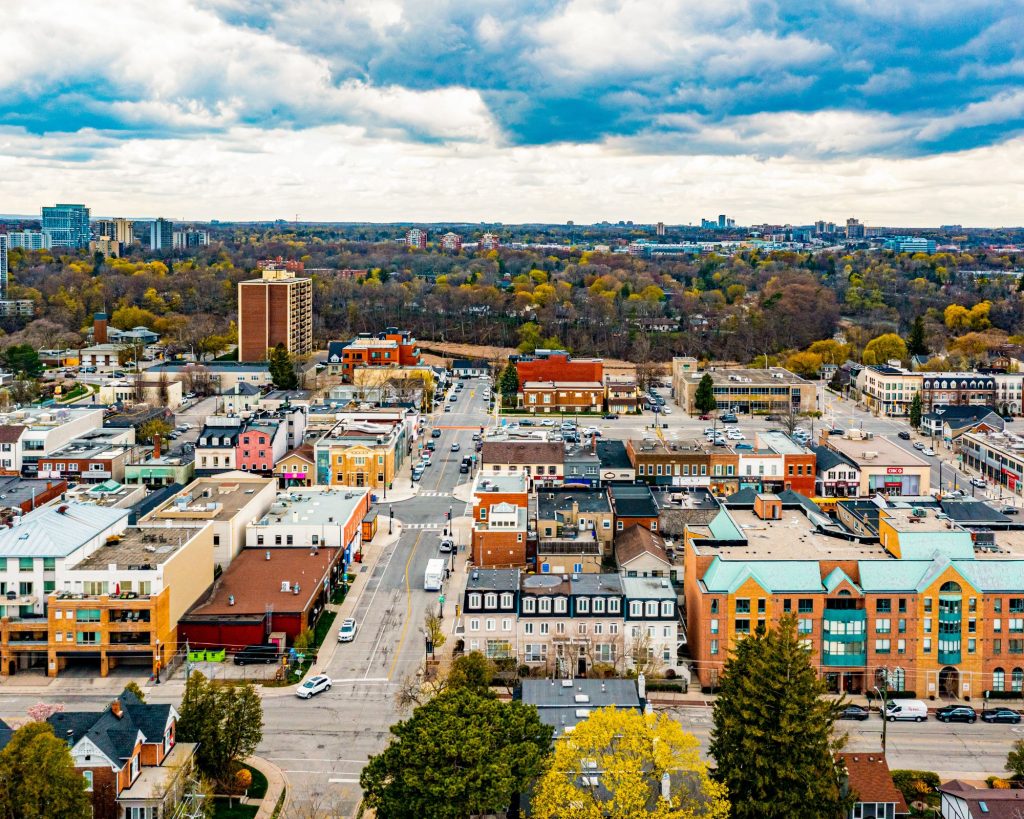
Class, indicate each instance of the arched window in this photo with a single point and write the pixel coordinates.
(1017, 679)
(844, 593)
(950, 586)
(998, 679)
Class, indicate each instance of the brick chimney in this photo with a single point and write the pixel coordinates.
(156, 446)
(99, 328)
(115, 708)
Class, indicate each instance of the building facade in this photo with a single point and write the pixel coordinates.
(67, 225)
(743, 390)
(275, 309)
(957, 389)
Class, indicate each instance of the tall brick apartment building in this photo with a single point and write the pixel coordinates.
(275, 309)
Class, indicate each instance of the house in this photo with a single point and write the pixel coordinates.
(837, 475)
(961, 800)
(217, 445)
(582, 466)
(297, 468)
(130, 757)
(950, 422)
(567, 703)
(574, 529)
(542, 461)
(562, 396)
(470, 368)
(493, 543)
(490, 604)
(261, 444)
(869, 780)
(639, 552)
(633, 504)
(10, 448)
(621, 393)
(240, 397)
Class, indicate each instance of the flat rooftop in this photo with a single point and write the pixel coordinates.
(40, 418)
(781, 443)
(916, 519)
(515, 482)
(144, 548)
(214, 498)
(550, 502)
(740, 375)
(313, 507)
(874, 452)
(692, 497)
(653, 446)
(793, 537)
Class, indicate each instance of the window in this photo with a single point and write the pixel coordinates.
(714, 606)
(490, 600)
(529, 605)
(714, 626)
(761, 605)
(583, 605)
(544, 628)
(561, 605)
(805, 605)
(544, 605)
(742, 606)
(474, 601)
(926, 646)
(1017, 679)
(882, 646)
(613, 605)
(714, 646)
(998, 679)
(25, 564)
(883, 606)
(49, 564)
(787, 605)
(883, 626)
(506, 600)
(651, 608)
(88, 615)
(474, 625)
(598, 605)
(667, 608)
(87, 775)
(636, 608)
(742, 626)
(805, 625)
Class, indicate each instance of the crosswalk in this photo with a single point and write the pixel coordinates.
(433, 494)
(431, 526)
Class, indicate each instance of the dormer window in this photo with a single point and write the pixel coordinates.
(544, 605)
(474, 601)
(583, 605)
(529, 605)
(506, 600)
(560, 605)
(490, 600)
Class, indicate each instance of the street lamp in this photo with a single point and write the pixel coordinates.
(157, 663)
(391, 517)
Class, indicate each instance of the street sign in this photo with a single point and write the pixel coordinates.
(440, 599)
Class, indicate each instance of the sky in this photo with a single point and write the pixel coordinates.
(897, 112)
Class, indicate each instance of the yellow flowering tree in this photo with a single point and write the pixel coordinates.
(613, 763)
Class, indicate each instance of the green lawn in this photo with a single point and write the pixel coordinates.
(221, 809)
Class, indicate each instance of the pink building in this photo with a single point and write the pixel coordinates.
(260, 446)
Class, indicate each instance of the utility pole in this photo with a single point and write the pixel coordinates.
(883, 674)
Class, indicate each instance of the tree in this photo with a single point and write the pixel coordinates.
(23, 361)
(508, 385)
(226, 721)
(885, 347)
(916, 344)
(805, 364)
(38, 779)
(152, 429)
(434, 629)
(136, 690)
(282, 372)
(772, 736)
(459, 754)
(704, 398)
(473, 672)
(1015, 759)
(630, 752)
(915, 411)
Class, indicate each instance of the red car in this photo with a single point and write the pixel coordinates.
(705, 418)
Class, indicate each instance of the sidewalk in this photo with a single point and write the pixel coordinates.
(276, 783)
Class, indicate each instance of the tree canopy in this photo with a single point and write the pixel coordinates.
(772, 737)
(38, 779)
(282, 371)
(704, 398)
(629, 753)
(459, 754)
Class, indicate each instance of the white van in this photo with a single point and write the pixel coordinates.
(914, 710)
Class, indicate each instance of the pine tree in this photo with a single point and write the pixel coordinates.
(282, 373)
(508, 385)
(915, 342)
(704, 398)
(772, 738)
(915, 411)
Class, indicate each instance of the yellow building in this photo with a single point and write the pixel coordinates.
(360, 454)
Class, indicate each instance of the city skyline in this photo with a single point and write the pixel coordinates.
(905, 115)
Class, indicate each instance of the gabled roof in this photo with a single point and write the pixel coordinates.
(999, 804)
(521, 452)
(334, 351)
(836, 577)
(827, 458)
(10, 433)
(871, 781)
(638, 540)
(305, 452)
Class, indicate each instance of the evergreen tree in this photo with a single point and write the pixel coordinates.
(915, 342)
(704, 399)
(282, 373)
(772, 736)
(915, 411)
(508, 385)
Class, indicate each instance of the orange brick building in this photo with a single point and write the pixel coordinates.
(392, 348)
(499, 537)
(557, 365)
(275, 309)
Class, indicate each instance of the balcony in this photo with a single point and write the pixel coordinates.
(949, 657)
(844, 660)
(569, 547)
(951, 617)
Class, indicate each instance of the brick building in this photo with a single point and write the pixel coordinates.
(275, 309)
(558, 365)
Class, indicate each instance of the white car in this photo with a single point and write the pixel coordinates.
(347, 632)
(710, 430)
(735, 435)
(978, 482)
(665, 411)
(547, 423)
(927, 451)
(313, 686)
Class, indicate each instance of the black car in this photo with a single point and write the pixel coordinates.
(611, 416)
(1010, 510)
(435, 433)
(257, 654)
(904, 435)
(526, 422)
(837, 431)
(956, 713)
(729, 419)
(854, 712)
(1000, 715)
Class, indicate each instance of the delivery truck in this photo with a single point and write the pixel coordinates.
(434, 575)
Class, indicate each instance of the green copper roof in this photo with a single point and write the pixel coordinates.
(926, 545)
(771, 575)
(837, 576)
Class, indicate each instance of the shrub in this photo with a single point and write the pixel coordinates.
(915, 785)
(998, 783)
(243, 779)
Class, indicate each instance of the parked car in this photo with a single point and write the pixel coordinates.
(773, 418)
(447, 408)
(417, 472)
(918, 445)
(263, 653)
(705, 417)
(729, 419)
(1000, 715)
(464, 469)
(436, 433)
(313, 686)
(978, 482)
(837, 431)
(956, 713)
(903, 710)
(611, 416)
(928, 451)
(447, 545)
(526, 422)
(547, 423)
(903, 434)
(430, 447)
(854, 712)
(1010, 510)
(347, 632)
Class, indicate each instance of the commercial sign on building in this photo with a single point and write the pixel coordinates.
(894, 470)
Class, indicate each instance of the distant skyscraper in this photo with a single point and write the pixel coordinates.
(854, 229)
(29, 240)
(161, 235)
(3, 265)
(68, 225)
(416, 238)
(490, 241)
(191, 238)
(721, 220)
(119, 230)
(274, 309)
(660, 229)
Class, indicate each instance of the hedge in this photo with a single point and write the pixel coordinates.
(895, 695)
(678, 686)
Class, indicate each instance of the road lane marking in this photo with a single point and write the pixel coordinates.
(405, 625)
(408, 610)
(344, 781)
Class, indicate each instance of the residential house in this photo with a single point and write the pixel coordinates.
(501, 541)
(10, 448)
(621, 394)
(837, 475)
(470, 368)
(565, 705)
(261, 444)
(490, 606)
(963, 800)
(542, 461)
(869, 780)
(133, 764)
(241, 399)
(217, 445)
(297, 468)
(562, 396)
(639, 552)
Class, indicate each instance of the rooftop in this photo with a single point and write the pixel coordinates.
(563, 385)
(521, 452)
(42, 418)
(252, 583)
(493, 580)
(589, 501)
(633, 501)
(773, 375)
(313, 507)
(874, 452)
(653, 446)
(781, 443)
(15, 491)
(636, 541)
(871, 780)
(613, 455)
(57, 531)
(515, 482)
(564, 704)
(219, 497)
(136, 548)
(648, 588)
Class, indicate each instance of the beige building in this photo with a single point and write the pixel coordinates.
(122, 391)
(230, 501)
(889, 390)
(882, 465)
(774, 390)
(542, 461)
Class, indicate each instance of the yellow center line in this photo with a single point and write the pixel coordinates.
(408, 606)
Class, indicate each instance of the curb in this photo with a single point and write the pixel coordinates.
(277, 785)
